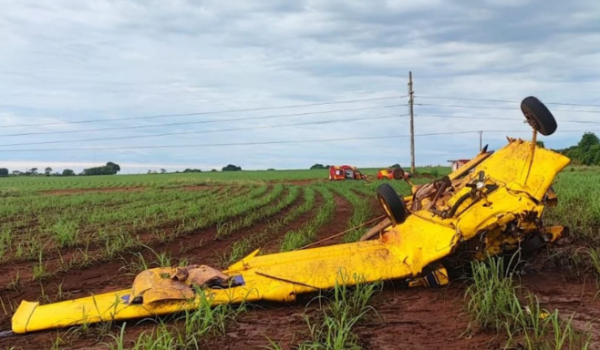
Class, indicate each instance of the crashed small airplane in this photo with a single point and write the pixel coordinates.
(491, 206)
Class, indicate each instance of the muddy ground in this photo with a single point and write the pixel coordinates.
(407, 319)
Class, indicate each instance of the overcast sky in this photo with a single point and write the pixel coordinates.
(67, 61)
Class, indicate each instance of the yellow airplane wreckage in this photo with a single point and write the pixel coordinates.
(491, 206)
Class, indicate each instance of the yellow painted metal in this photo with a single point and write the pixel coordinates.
(402, 251)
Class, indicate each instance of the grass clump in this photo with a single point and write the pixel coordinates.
(494, 304)
(334, 327)
(187, 330)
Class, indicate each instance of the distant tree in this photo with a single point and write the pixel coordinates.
(162, 170)
(231, 167)
(48, 171)
(586, 152)
(16, 173)
(319, 166)
(192, 171)
(270, 169)
(113, 166)
(588, 147)
(109, 169)
(588, 140)
(541, 144)
(213, 170)
(3, 172)
(149, 171)
(68, 172)
(33, 171)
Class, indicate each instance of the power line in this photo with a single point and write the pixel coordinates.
(466, 117)
(498, 118)
(204, 131)
(202, 121)
(268, 142)
(208, 113)
(271, 117)
(506, 101)
(492, 107)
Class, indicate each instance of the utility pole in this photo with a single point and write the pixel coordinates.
(412, 123)
(480, 140)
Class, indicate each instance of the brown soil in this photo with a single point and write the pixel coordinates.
(407, 318)
(275, 243)
(338, 224)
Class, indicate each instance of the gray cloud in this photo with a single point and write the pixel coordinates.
(69, 60)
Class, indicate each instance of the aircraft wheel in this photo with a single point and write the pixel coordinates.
(394, 206)
(538, 116)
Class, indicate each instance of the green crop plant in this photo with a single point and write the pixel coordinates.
(242, 247)
(494, 304)
(65, 233)
(308, 232)
(361, 211)
(491, 295)
(335, 327)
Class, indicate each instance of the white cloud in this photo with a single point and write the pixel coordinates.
(70, 60)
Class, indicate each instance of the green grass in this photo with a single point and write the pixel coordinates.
(496, 303)
(187, 331)
(333, 328)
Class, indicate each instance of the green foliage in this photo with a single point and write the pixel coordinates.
(494, 303)
(68, 172)
(231, 167)
(491, 296)
(319, 166)
(334, 330)
(586, 152)
(197, 324)
(109, 169)
(192, 171)
(3, 172)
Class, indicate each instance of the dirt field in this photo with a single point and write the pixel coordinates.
(408, 319)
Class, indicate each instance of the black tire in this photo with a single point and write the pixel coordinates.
(538, 116)
(398, 174)
(394, 206)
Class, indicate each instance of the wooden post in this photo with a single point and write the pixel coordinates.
(412, 123)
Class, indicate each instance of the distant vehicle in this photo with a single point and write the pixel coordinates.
(345, 172)
(393, 173)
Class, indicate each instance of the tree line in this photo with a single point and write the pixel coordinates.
(109, 169)
(585, 152)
